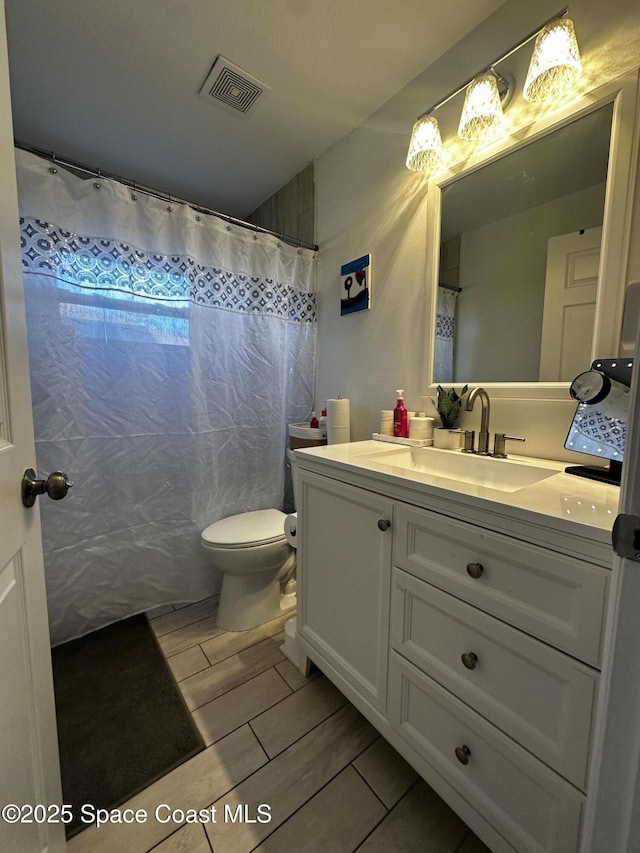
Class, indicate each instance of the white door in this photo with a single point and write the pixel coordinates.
(612, 820)
(570, 289)
(29, 768)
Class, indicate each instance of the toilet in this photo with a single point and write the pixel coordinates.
(258, 564)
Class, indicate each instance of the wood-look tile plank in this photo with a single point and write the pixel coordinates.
(236, 707)
(193, 785)
(420, 821)
(337, 819)
(228, 643)
(292, 675)
(187, 663)
(289, 720)
(191, 635)
(385, 771)
(184, 616)
(213, 682)
(293, 777)
(191, 838)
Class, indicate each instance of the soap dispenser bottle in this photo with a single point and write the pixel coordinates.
(400, 421)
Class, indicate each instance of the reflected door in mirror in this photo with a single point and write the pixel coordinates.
(569, 304)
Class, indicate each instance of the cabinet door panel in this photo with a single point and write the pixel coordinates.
(556, 598)
(531, 806)
(539, 696)
(344, 573)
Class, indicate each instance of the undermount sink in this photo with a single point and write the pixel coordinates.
(505, 475)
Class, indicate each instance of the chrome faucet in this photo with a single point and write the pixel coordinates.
(483, 435)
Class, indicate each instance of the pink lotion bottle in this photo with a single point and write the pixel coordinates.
(400, 420)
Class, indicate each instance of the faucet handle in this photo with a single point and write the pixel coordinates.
(469, 437)
(499, 444)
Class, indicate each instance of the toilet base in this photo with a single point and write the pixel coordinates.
(247, 601)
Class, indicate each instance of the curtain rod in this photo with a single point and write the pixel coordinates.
(490, 67)
(450, 287)
(164, 196)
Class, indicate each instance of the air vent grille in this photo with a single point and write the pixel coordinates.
(232, 86)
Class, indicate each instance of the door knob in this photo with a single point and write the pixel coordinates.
(56, 486)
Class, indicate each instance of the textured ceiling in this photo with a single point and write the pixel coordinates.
(114, 83)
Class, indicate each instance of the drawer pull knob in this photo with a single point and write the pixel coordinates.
(462, 754)
(470, 660)
(475, 570)
(384, 524)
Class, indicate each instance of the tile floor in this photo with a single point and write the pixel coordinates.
(275, 738)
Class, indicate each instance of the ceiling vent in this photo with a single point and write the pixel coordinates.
(232, 86)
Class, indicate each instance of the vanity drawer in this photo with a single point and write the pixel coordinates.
(557, 598)
(530, 805)
(541, 697)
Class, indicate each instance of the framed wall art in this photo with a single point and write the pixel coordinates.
(355, 285)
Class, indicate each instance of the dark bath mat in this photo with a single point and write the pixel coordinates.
(122, 722)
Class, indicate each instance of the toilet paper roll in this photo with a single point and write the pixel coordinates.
(338, 435)
(338, 421)
(338, 413)
(291, 529)
(421, 427)
(386, 422)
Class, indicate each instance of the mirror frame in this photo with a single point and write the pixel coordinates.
(616, 228)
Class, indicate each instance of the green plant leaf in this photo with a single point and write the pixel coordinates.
(449, 405)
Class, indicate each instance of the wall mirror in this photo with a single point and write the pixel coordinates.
(528, 253)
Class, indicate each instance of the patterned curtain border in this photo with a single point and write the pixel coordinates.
(102, 264)
(445, 326)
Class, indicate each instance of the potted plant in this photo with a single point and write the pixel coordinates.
(449, 405)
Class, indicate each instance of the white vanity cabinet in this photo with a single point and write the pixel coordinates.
(472, 647)
(344, 582)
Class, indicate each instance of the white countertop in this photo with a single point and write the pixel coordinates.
(560, 501)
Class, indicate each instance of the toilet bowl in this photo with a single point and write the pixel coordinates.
(257, 561)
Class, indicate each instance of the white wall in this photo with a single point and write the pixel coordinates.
(367, 201)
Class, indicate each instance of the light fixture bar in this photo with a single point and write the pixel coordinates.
(490, 67)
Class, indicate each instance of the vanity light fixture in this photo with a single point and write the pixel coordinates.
(482, 117)
(554, 68)
(426, 152)
(555, 65)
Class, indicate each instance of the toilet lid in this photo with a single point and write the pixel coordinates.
(248, 528)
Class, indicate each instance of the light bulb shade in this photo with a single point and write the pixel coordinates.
(555, 65)
(482, 117)
(426, 152)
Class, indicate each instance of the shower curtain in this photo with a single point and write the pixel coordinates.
(445, 335)
(168, 352)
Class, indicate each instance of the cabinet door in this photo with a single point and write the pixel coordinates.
(344, 577)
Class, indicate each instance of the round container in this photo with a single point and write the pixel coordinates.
(302, 435)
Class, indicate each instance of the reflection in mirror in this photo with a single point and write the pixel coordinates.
(520, 249)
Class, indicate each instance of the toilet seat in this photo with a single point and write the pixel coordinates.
(245, 530)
